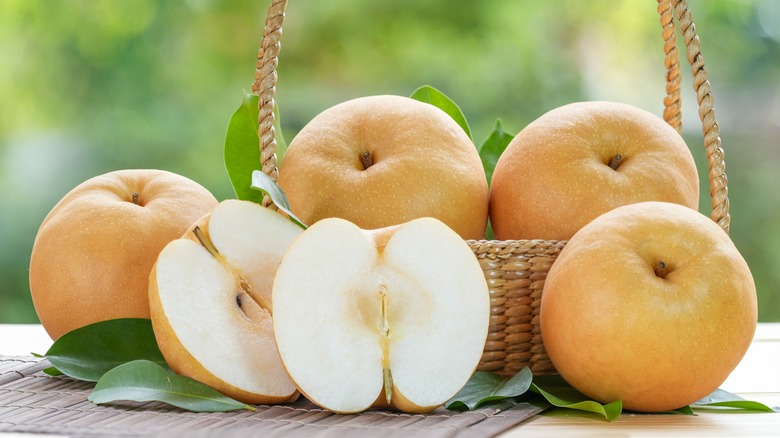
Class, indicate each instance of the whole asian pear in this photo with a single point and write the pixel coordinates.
(581, 160)
(651, 304)
(379, 161)
(94, 251)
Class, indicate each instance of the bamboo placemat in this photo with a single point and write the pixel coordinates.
(33, 402)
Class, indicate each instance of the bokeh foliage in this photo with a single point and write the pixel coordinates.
(89, 86)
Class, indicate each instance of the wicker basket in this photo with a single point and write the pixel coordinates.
(515, 270)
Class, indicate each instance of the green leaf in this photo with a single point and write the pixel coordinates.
(723, 399)
(489, 234)
(428, 94)
(492, 148)
(242, 147)
(89, 352)
(144, 381)
(53, 371)
(484, 387)
(685, 410)
(281, 144)
(561, 394)
(264, 183)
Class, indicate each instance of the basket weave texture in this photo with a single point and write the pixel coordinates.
(515, 270)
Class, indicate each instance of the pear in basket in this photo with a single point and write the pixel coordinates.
(581, 160)
(379, 161)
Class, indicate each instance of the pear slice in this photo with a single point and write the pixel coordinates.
(210, 302)
(392, 317)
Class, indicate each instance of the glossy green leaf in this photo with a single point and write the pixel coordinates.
(489, 234)
(721, 399)
(559, 393)
(281, 144)
(431, 95)
(492, 148)
(484, 387)
(264, 183)
(52, 371)
(242, 147)
(89, 352)
(144, 381)
(685, 410)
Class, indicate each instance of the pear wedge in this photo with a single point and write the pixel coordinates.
(210, 302)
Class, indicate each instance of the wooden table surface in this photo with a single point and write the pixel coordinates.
(756, 378)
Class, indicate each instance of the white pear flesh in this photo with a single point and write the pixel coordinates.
(207, 326)
(339, 290)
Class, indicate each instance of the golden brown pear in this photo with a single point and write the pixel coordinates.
(581, 160)
(95, 249)
(379, 161)
(651, 304)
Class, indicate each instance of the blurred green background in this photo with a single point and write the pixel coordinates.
(90, 86)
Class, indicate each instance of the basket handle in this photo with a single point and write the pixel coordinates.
(719, 191)
(265, 87)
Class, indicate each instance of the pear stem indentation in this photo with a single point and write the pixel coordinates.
(660, 269)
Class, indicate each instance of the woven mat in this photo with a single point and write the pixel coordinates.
(33, 402)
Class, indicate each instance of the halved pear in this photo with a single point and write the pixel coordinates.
(392, 317)
(210, 302)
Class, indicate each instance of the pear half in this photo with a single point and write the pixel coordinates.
(210, 302)
(393, 317)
